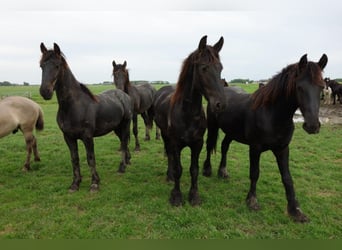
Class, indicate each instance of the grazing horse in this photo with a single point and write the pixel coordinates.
(82, 115)
(21, 113)
(264, 121)
(336, 89)
(180, 116)
(142, 96)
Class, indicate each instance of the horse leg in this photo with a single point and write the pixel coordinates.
(95, 179)
(148, 126)
(135, 131)
(210, 145)
(194, 198)
(157, 133)
(176, 198)
(75, 161)
(123, 133)
(35, 149)
(29, 140)
(170, 159)
(222, 171)
(293, 208)
(254, 159)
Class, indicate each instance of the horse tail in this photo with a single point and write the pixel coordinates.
(40, 121)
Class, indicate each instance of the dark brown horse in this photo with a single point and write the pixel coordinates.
(264, 121)
(336, 89)
(142, 96)
(82, 115)
(180, 116)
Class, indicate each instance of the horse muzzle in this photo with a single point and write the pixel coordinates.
(46, 92)
(312, 128)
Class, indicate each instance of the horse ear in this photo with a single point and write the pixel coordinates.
(114, 63)
(124, 64)
(303, 62)
(43, 49)
(56, 49)
(219, 44)
(202, 43)
(323, 61)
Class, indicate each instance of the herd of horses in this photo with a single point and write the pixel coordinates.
(263, 120)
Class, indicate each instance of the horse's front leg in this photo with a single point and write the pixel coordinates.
(194, 198)
(73, 148)
(95, 179)
(148, 125)
(123, 133)
(176, 198)
(254, 159)
(293, 208)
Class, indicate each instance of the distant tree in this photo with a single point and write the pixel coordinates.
(26, 84)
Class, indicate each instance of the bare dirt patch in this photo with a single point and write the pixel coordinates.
(331, 114)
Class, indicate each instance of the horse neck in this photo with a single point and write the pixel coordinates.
(66, 86)
(286, 107)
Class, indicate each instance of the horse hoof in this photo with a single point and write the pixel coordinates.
(26, 169)
(73, 188)
(94, 188)
(223, 174)
(37, 159)
(252, 203)
(299, 216)
(207, 173)
(194, 199)
(176, 199)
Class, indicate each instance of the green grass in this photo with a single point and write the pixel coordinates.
(134, 205)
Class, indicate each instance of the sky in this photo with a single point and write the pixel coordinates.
(154, 36)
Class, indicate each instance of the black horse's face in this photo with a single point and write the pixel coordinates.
(308, 89)
(207, 74)
(120, 74)
(51, 65)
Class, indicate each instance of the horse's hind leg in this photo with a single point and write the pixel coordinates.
(29, 140)
(35, 149)
(148, 125)
(254, 158)
(135, 131)
(222, 171)
(123, 133)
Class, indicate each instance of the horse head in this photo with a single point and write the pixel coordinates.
(51, 63)
(121, 77)
(309, 84)
(207, 73)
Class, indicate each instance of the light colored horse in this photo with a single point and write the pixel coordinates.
(21, 113)
(327, 93)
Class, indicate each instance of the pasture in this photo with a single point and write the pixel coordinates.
(134, 205)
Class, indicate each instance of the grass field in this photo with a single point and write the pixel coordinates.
(134, 205)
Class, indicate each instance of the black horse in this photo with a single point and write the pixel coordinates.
(82, 115)
(264, 121)
(142, 96)
(336, 89)
(180, 116)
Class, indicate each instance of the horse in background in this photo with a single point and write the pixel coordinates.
(336, 89)
(83, 115)
(180, 116)
(264, 121)
(142, 97)
(327, 95)
(21, 113)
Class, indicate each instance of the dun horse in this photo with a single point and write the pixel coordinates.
(264, 121)
(142, 96)
(82, 115)
(180, 116)
(21, 113)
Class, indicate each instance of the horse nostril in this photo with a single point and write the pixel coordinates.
(218, 106)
